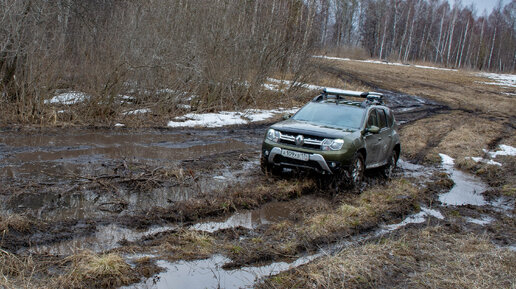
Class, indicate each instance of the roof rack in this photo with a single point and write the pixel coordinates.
(339, 94)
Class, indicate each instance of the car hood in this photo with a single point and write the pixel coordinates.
(302, 127)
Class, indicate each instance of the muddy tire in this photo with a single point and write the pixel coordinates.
(356, 171)
(388, 169)
(267, 168)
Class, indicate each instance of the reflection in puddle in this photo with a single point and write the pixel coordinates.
(414, 170)
(269, 213)
(208, 273)
(467, 189)
(105, 238)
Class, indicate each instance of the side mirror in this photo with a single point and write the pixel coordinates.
(286, 116)
(373, 129)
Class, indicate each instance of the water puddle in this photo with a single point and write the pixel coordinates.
(467, 189)
(414, 219)
(415, 170)
(268, 213)
(208, 273)
(105, 238)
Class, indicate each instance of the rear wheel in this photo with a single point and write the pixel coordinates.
(388, 169)
(356, 170)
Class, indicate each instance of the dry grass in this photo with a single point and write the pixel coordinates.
(458, 89)
(457, 134)
(90, 270)
(187, 244)
(368, 209)
(428, 258)
(15, 222)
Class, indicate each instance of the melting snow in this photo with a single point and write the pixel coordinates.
(508, 80)
(224, 118)
(119, 125)
(68, 98)
(467, 189)
(484, 221)
(137, 111)
(384, 62)
(505, 150)
(489, 162)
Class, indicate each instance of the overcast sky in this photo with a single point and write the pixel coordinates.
(482, 5)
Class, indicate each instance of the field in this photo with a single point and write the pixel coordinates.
(151, 205)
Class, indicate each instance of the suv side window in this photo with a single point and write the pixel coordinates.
(372, 120)
(390, 118)
(381, 118)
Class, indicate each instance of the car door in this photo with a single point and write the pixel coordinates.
(372, 140)
(384, 137)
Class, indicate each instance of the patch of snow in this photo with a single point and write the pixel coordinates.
(484, 221)
(220, 178)
(482, 160)
(137, 111)
(184, 106)
(126, 97)
(508, 80)
(225, 118)
(447, 161)
(119, 125)
(222, 118)
(68, 98)
(384, 62)
(505, 150)
(467, 189)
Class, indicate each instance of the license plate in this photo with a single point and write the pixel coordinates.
(295, 155)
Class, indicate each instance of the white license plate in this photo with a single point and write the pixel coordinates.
(295, 155)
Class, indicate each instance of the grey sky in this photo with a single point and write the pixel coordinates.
(482, 5)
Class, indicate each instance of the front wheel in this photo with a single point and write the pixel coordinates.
(356, 170)
(267, 168)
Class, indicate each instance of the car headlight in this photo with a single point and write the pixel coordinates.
(332, 144)
(273, 135)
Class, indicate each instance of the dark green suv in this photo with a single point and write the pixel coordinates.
(335, 136)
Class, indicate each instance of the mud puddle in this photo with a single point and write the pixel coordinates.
(105, 238)
(84, 174)
(208, 273)
(269, 213)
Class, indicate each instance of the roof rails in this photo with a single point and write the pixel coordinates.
(339, 94)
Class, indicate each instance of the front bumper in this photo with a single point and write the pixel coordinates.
(313, 159)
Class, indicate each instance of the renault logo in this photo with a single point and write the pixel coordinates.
(300, 140)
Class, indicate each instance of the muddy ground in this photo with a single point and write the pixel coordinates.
(159, 199)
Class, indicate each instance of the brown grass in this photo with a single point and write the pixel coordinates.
(15, 222)
(457, 134)
(367, 210)
(90, 270)
(458, 89)
(428, 258)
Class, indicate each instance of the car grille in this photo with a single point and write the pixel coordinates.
(312, 142)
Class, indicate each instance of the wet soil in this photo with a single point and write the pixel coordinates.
(139, 191)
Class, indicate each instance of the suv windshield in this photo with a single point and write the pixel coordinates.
(330, 114)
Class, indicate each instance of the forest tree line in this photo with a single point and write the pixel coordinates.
(223, 50)
(424, 30)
